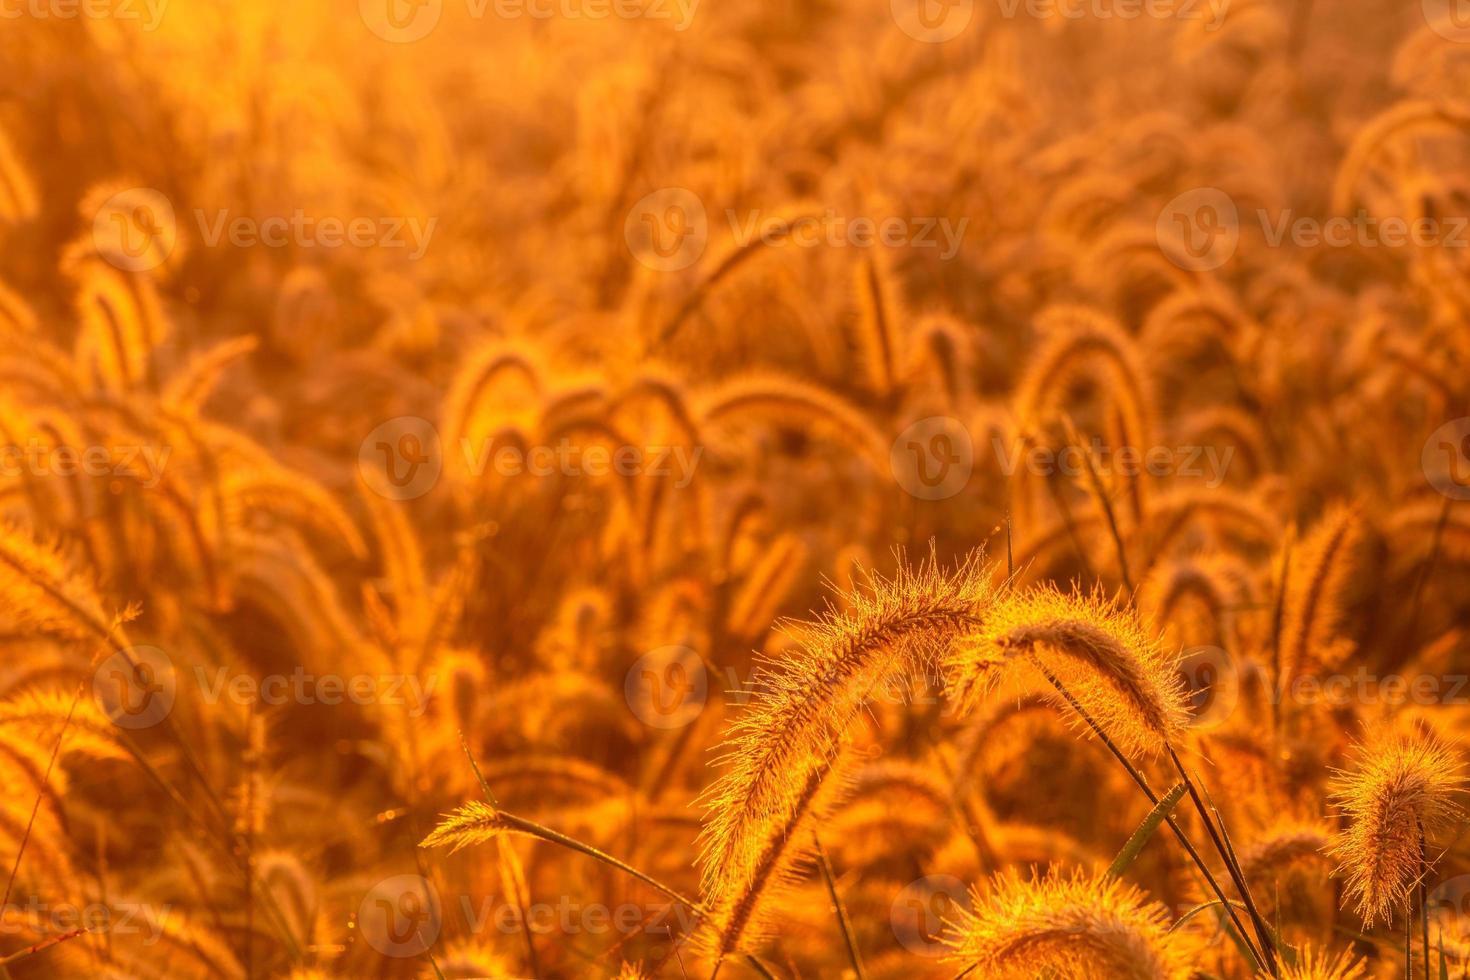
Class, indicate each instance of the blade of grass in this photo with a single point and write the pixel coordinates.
(1145, 831)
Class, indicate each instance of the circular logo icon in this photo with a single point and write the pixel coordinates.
(135, 230)
(933, 21)
(919, 913)
(402, 458)
(1211, 685)
(401, 21)
(1199, 230)
(1446, 459)
(667, 687)
(1450, 19)
(933, 458)
(668, 229)
(401, 916)
(1448, 907)
(136, 687)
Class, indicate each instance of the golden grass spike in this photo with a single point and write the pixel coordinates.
(1072, 335)
(785, 400)
(1281, 846)
(469, 824)
(804, 704)
(1400, 792)
(1313, 963)
(39, 588)
(877, 325)
(188, 390)
(17, 319)
(1398, 118)
(767, 585)
(1070, 927)
(18, 200)
(1313, 612)
(743, 915)
(1100, 653)
(122, 322)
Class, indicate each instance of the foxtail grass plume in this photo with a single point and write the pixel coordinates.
(781, 748)
(1399, 794)
(1099, 653)
(1319, 964)
(1070, 926)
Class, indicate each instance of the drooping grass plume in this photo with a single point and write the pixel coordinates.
(1322, 568)
(1100, 653)
(472, 823)
(1071, 926)
(779, 749)
(1401, 791)
(786, 400)
(1319, 964)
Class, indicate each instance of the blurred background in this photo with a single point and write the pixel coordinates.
(389, 384)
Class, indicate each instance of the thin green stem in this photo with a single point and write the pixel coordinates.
(1153, 798)
(1227, 854)
(843, 924)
